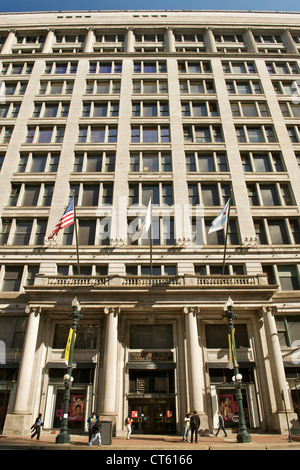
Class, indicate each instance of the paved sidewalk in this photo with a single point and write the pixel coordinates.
(150, 443)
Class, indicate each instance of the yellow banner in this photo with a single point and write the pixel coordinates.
(68, 346)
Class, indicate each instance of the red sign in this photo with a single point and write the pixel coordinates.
(134, 414)
(169, 414)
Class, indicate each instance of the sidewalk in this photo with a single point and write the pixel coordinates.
(150, 443)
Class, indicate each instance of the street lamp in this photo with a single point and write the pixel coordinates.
(63, 437)
(243, 435)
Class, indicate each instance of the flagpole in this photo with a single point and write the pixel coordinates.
(226, 236)
(151, 193)
(76, 234)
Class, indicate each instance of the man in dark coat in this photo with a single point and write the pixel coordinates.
(195, 425)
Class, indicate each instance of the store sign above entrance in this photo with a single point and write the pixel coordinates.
(147, 356)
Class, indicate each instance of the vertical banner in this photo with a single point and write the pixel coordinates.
(68, 346)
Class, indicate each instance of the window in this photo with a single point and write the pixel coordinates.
(239, 67)
(60, 67)
(276, 194)
(251, 109)
(150, 86)
(217, 336)
(100, 109)
(209, 194)
(86, 337)
(199, 108)
(38, 162)
(206, 161)
(262, 162)
(103, 87)
(150, 109)
(30, 195)
(255, 134)
(12, 331)
(150, 66)
(152, 162)
(194, 67)
(150, 134)
(153, 336)
(202, 134)
(93, 194)
(139, 193)
(244, 87)
(105, 67)
(94, 162)
(288, 328)
(217, 238)
(91, 231)
(45, 135)
(64, 87)
(196, 86)
(287, 276)
(96, 134)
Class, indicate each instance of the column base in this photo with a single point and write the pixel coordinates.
(279, 422)
(204, 426)
(18, 424)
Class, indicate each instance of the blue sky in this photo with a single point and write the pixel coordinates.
(61, 5)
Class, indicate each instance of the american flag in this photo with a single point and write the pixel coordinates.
(66, 220)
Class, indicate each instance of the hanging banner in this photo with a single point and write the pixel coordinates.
(68, 346)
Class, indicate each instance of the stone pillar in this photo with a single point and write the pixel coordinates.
(110, 364)
(195, 366)
(209, 40)
(250, 41)
(21, 419)
(47, 49)
(289, 42)
(129, 40)
(170, 40)
(277, 371)
(89, 41)
(6, 49)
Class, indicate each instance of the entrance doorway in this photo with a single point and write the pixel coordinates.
(152, 416)
(4, 397)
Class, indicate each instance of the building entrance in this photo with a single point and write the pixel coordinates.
(152, 416)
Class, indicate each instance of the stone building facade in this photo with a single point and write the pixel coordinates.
(193, 108)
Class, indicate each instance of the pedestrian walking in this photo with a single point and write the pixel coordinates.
(91, 421)
(194, 424)
(221, 424)
(36, 427)
(96, 430)
(187, 428)
(128, 424)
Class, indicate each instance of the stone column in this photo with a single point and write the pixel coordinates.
(89, 40)
(110, 363)
(6, 49)
(170, 40)
(249, 38)
(47, 49)
(289, 42)
(195, 366)
(20, 420)
(129, 40)
(209, 40)
(277, 370)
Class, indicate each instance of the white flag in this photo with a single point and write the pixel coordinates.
(145, 224)
(220, 222)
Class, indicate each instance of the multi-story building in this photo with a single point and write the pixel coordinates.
(197, 107)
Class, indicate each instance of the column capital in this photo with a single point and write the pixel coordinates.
(193, 310)
(268, 308)
(115, 311)
(33, 309)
